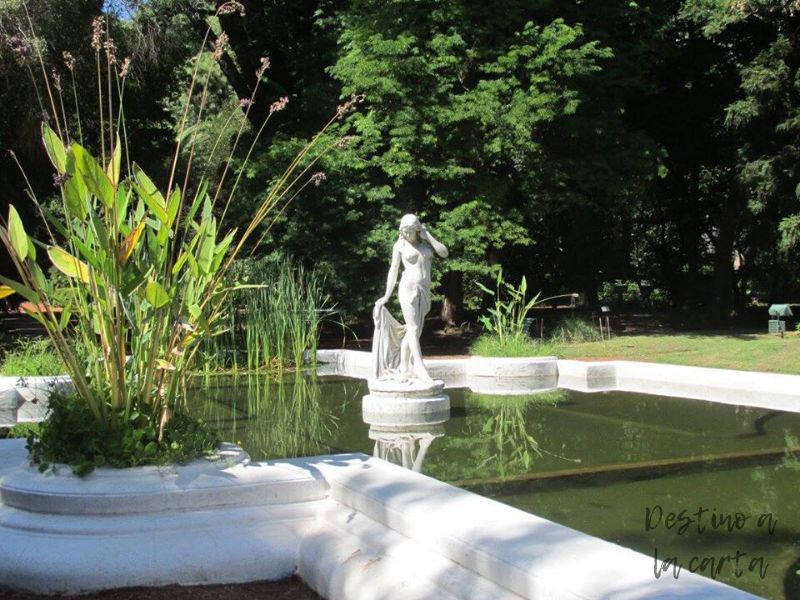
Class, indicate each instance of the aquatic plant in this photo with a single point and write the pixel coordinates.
(274, 316)
(145, 265)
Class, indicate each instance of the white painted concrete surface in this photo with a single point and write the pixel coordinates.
(202, 523)
(24, 399)
(748, 388)
(353, 527)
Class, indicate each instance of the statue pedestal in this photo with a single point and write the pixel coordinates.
(406, 388)
(405, 402)
(404, 424)
(405, 410)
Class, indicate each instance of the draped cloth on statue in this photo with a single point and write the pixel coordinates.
(388, 337)
(386, 344)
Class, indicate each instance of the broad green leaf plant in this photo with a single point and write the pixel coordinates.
(507, 318)
(145, 265)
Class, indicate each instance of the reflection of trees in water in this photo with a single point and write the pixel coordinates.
(506, 438)
(271, 418)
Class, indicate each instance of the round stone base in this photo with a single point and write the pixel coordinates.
(403, 410)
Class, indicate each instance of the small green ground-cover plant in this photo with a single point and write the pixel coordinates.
(32, 358)
(145, 268)
(19, 431)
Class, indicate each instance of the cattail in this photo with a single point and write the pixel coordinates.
(318, 177)
(59, 179)
(264, 66)
(245, 102)
(344, 141)
(56, 79)
(231, 7)
(111, 51)
(126, 65)
(19, 46)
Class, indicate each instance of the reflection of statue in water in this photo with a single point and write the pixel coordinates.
(396, 349)
(405, 446)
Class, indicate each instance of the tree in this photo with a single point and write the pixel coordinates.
(480, 119)
(760, 40)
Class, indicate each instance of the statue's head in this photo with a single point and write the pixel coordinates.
(410, 226)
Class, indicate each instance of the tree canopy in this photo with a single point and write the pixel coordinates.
(590, 146)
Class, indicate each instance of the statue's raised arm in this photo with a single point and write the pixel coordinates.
(396, 348)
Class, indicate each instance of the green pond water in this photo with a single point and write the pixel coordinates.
(600, 463)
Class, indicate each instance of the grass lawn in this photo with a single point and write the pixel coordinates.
(723, 350)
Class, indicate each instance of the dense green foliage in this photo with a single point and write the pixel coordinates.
(138, 267)
(71, 435)
(579, 144)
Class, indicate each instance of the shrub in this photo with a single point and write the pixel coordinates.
(575, 330)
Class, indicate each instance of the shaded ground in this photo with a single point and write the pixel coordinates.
(289, 589)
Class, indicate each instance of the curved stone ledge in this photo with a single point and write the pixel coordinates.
(228, 481)
(512, 386)
(538, 366)
(362, 529)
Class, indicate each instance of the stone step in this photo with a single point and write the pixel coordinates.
(346, 555)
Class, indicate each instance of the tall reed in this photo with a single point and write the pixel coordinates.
(273, 318)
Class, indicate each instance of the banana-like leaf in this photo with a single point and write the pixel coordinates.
(172, 210)
(124, 194)
(129, 243)
(114, 164)
(148, 192)
(156, 294)
(198, 199)
(66, 314)
(21, 289)
(94, 175)
(205, 255)
(86, 252)
(39, 278)
(16, 232)
(68, 264)
(74, 190)
(220, 250)
(55, 148)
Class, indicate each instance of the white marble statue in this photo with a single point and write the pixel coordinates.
(396, 349)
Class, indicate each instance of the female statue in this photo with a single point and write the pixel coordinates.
(396, 348)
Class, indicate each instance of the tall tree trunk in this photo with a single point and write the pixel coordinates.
(723, 263)
(452, 297)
